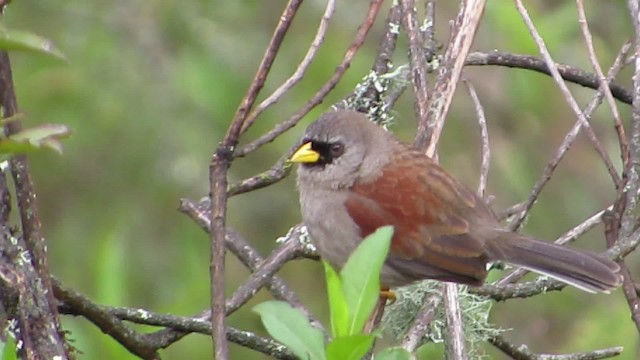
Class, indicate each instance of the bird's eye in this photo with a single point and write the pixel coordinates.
(336, 149)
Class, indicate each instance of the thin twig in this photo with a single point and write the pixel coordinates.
(484, 138)
(74, 303)
(300, 70)
(218, 168)
(628, 217)
(417, 59)
(611, 221)
(571, 101)
(586, 33)
(413, 336)
(250, 257)
(317, 98)
(528, 62)
(455, 346)
(373, 322)
(288, 251)
(566, 144)
(464, 31)
(105, 321)
(521, 352)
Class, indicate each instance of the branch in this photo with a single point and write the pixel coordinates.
(417, 60)
(316, 99)
(300, 71)
(528, 62)
(413, 336)
(603, 84)
(566, 143)
(464, 31)
(571, 101)
(454, 346)
(74, 303)
(523, 353)
(38, 314)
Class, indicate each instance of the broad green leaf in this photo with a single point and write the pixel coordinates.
(290, 327)
(45, 136)
(361, 277)
(352, 347)
(26, 41)
(8, 350)
(337, 303)
(394, 353)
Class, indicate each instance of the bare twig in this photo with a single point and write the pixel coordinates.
(622, 137)
(611, 229)
(373, 95)
(74, 303)
(43, 323)
(464, 30)
(417, 59)
(629, 200)
(316, 99)
(300, 71)
(218, 169)
(373, 322)
(105, 321)
(250, 256)
(521, 352)
(571, 101)
(566, 144)
(288, 251)
(455, 346)
(413, 336)
(484, 138)
(528, 62)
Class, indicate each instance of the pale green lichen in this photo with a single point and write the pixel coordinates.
(378, 108)
(475, 315)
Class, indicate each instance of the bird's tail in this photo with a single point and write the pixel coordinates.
(585, 270)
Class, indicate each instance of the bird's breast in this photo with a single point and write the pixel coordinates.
(331, 229)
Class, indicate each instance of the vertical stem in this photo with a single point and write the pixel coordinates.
(455, 347)
(218, 186)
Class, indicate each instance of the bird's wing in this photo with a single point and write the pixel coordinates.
(431, 213)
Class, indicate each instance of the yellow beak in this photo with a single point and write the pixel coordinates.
(305, 154)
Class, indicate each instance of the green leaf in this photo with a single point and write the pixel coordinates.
(8, 350)
(353, 347)
(26, 41)
(46, 136)
(292, 328)
(394, 353)
(337, 303)
(361, 277)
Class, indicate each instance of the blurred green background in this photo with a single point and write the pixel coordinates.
(150, 87)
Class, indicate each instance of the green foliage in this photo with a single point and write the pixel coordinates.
(45, 136)
(292, 328)
(352, 297)
(360, 277)
(393, 353)
(27, 41)
(338, 306)
(8, 350)
(42, 137)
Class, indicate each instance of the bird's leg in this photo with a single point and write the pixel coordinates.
(388, 295)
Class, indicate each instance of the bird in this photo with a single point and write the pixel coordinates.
(355, 177)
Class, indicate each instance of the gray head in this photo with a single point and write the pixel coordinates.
(340, 147)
